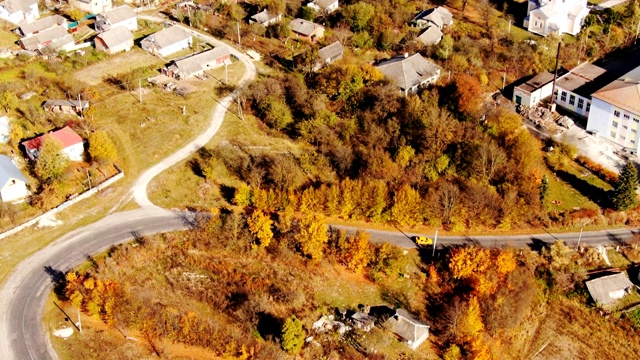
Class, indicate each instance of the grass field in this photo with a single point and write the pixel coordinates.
(7, 38)
(117, 64)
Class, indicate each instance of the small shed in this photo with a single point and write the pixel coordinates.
(13, 184)
(66, 106)
(607, 290)
(363, 321)
(328, 55)
(408, 328)
(533, 90)
(115, 40)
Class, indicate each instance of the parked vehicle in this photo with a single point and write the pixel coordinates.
(422, 240)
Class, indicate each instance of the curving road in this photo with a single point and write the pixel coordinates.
(23, 296)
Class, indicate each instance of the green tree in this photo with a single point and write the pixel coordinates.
(51, 162)
(242, 196)
(312, 236)
(8, 100)
(358, 15)
(260, 226)
(292, 335)
(101, 148)
(544, 188)
(624, 195)
(276, 113)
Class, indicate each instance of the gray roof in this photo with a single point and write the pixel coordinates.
(430, 36)
(323, 4)
(8, 171)
(167, 37)
(42, 24)
(264, 16)
(121, 13)
(116, 36)
(199, 62)
(14, 6)
(440, 16)
(331, 51)
(536, 82)
(601, 288)
(407, 72)
(56, 37)
(407, 326)
(303, 27)
(582, 79)
(64, 102)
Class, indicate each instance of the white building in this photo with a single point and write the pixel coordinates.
(115, 40)
(535, 89)
(13, 184)
(167, 41)
(19, 11)
(5, 129)
(573, 90)
(120, 16)
(265, 18)
(93, 6)
(545, 17)
(615, 111)
(324, 5)
(72, 144)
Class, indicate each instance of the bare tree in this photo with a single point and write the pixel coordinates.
(448, 197)
(489, 161)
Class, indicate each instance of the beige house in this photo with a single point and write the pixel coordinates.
(115, 40)
(13, 184)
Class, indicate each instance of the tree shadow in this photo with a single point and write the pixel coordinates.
(594, 193)
(227, 192)
(269, 326)
(59, 281)
(537, 245)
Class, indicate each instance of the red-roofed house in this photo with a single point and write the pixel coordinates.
(72, 144)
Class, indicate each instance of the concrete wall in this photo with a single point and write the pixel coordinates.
(64, 205)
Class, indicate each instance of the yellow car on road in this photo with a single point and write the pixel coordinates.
(422, 240)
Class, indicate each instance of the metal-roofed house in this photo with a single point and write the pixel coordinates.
(408, 328)
(265, 18)
(438, 16)
(115, 40)
(13, 184)
(167, 41)
(72, 144)
(54, 39)
(430, 36)
(306, 29)
(574, 89)
(120, 16)
(19, 11)
(545, 17)
(328, 55)
(27, 29)
(410, 73)
(196, 64)
(66, 106)
(615, 111)
(328, 6)
(607, 290)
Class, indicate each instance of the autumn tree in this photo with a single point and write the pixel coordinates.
(468, 94)
(275, 113)
(260, 227)
(357, 15)
(101, 148)
(51, 161)
(292, 335)
(312, 236)
(406, 209)
(357, 252)
(624, 194)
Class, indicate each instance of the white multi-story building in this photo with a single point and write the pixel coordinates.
(545, 17)
(573, 90)
(615, 111)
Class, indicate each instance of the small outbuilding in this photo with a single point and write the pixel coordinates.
(265, 18)
(408, 328)
(59, 106)
(328, 55)
(607, 290)
(532, 91)
(13, 184)
(306, 29)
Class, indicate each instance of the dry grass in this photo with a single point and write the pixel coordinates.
(117, 64)
(7, 38)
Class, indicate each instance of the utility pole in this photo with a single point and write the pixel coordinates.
(89, 179)
(509, 32)
(226, 74)
(504, 78)
(80, 105)
(435, 243)
(579, 238)
(239, 44)
(140, 90)
(555, 76)
(79, 321)
(184, 109)
(189, 14)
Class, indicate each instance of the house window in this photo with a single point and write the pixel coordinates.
(616, 113)
(622, 137)
(624, 127)
(588, 106)
(580, 103)
(614, 124)
(555, 95)
(634, 131)
(572, 100)
(633, 141)
(563, 97)
(626, 116)
(613, 134)
(636, 120)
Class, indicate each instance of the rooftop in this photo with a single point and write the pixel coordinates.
(66, 136)
(623, 92)
(121, 13)
(536, 82)
(54, 37)
(263, 16)
(331, 51)
(303, 27)
(407, 326)
(195, 63)
(408, 71)
(167, 37)
(42, 24)
(14, 6)
(8, 171)
(116, 36)
(602, 288)
(584, 79)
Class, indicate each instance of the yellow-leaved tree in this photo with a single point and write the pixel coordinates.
(312, 236)
(260, 226)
